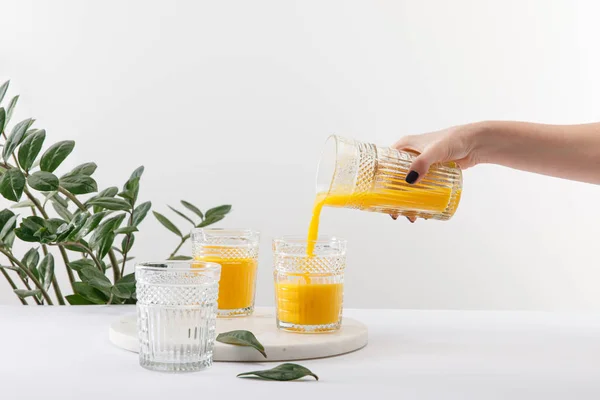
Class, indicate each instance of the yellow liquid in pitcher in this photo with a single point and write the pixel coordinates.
(236, 286)
(304, 303)
(425, 200)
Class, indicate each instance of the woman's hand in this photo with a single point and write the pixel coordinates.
(564, 151)
(456, 144)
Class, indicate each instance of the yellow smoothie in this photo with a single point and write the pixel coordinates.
(236, 287)
(419, 201)
(303, 303)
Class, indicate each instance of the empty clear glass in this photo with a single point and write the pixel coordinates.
(176, 314)
(236, 250)
(309, 290)
(361, 175)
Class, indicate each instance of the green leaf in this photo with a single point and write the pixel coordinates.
(140, 213)
(96, 279)
(8, 227)
(15, 138)
(211, 220)
(43, 181)
(5, 215)
(79, 184)
(54, 196)
(23, 204)
(137, 173)
(180, 258)
(90, 293)
(110, 203)
(182, 215)
(70, 231)
(242, 338)
(192, 208)
(47, 270)
(8, 221)
(28, 228)
(167, 224)
(22, 293)
(62, 211)
(31, 259)
(3, 89)
(131, 189)
(108, 192)
(84, 169)
(53, 224)
(82, 263)
(90, 225)
(55, 155)
(127, 245)
(9, 239)
(30, 148)
(221, 210)
(12, 184)
(125, 287)
(126, 230)
(74, 248)
(105, 244)
(106, 228)
(77, 300)
(283, 372)
(2, 119)
(11, 108)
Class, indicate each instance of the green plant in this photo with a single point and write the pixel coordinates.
(91, 236)
(207, 218)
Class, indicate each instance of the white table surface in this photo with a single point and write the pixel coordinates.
(64, 353)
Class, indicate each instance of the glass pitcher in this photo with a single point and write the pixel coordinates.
(359, 175)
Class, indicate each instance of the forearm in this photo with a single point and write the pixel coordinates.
(565, 151)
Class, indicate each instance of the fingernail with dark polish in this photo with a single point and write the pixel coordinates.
(412, 177)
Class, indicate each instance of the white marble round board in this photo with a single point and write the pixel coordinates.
(279, 345)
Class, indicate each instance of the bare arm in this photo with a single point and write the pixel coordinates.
(565, 151)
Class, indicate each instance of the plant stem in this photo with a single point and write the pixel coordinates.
(89, 251)
(29, 274)
(12, 285)
(115, 265)
(127, 244)
(63, 252)
(183, 240)
(111, 253)
(72, 197)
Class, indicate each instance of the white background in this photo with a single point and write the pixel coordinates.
(230, 102)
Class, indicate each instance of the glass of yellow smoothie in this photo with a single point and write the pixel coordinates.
(236, 250)
(309, 288)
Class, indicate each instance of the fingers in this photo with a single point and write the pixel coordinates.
(411, 219)
(420, 165)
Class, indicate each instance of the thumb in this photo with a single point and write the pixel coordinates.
(421, 164)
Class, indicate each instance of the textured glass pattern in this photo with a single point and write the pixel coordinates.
(309, 289)
(372, 178)
(176, 309)
(236, 250)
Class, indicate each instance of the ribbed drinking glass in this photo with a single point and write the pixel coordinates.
(176, 314)
(236, 250)
(309, 289)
